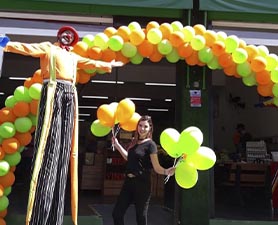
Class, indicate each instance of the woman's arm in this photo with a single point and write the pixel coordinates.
(120, 148)
(158, 168)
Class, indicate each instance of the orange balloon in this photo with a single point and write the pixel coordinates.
(152, 24)
(106, 115)
(225, 60)
(83, 77)
(81, 48)
(125, 110)
(230, 70)
(121, 58)
(1, 190)
(124, 32)
(210, 37)
(176, 38)
(258, 63)
(10, 145)
(263, 77)
(37, 77)
(265, 90)
(21, 109)
(94, 53)
(218, 48)
(185, 50)
(155, 56)
(33, 128)
(166, 30)
(7, 180)
(110, 31)
(108, 55)
(145, 48)
(23, 138)
(2, 153)
(2, 221)
(199, 29)
(136, 37)
(7, 115)
(12, 168)
(193, 59)
(34, 104)
(131, 124)
(3, 213)
(28, 82)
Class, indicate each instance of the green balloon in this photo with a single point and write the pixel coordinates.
(164, 47)
(7, 130)
(173, 56)
(275, 90)
(137, 59)
(7, 191)
(198, 42)
(115, 43)
(205, 55)
(213, 64)
(23, 124)
(240, 55)
(244, 69)
(203, 159)
(13, 159)
(274, 75)
(33, 118)
(10, 101)
(4, 167)
(129, 50)
(275, 101)
(231, 43)
(89, 40)
(21, 149)
(188, 143)
(1, 139)
(168, 140)
(99, 130)
(21, 93)
(4, 202)
(35, 91)
(101, 40)
(250, 80)
(186, 175)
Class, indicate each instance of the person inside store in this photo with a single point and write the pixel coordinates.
(56, 137)
(141, 156)
(241, 136)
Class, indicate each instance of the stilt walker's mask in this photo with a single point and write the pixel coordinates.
(67, 36)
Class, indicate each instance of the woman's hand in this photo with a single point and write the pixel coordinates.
(170, 171)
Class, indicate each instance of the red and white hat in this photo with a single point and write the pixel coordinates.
(67, 36)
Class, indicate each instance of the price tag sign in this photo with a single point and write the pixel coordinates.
(195, 98)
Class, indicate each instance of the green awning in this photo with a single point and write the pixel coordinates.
(164, 4)
(240, 6)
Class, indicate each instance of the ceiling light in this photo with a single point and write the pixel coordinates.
(168, 100)
(95, 97)
(140, 99)
(17, 78)
(81, 120)
(2, 93)
(84, 114)
(87, 107)
(158, 110)
(160, 84)
(107, 82)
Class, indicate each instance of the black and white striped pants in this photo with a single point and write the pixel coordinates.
(48, 207)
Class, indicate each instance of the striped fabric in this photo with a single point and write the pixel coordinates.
(48, 206)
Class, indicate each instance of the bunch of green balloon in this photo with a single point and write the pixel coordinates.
(186, 146)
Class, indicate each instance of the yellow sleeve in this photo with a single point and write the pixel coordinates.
(89, 64)
(34, 49)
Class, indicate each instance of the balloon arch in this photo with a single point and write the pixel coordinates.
(196, 45)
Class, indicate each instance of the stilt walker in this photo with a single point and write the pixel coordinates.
(56, 137)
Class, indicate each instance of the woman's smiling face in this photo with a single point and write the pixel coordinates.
(143, 129)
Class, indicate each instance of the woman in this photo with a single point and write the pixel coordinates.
(56, 138)
(141, 157)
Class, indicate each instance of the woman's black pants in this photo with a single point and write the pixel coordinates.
(135, 190)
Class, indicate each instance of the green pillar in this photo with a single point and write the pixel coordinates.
(193, 205)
